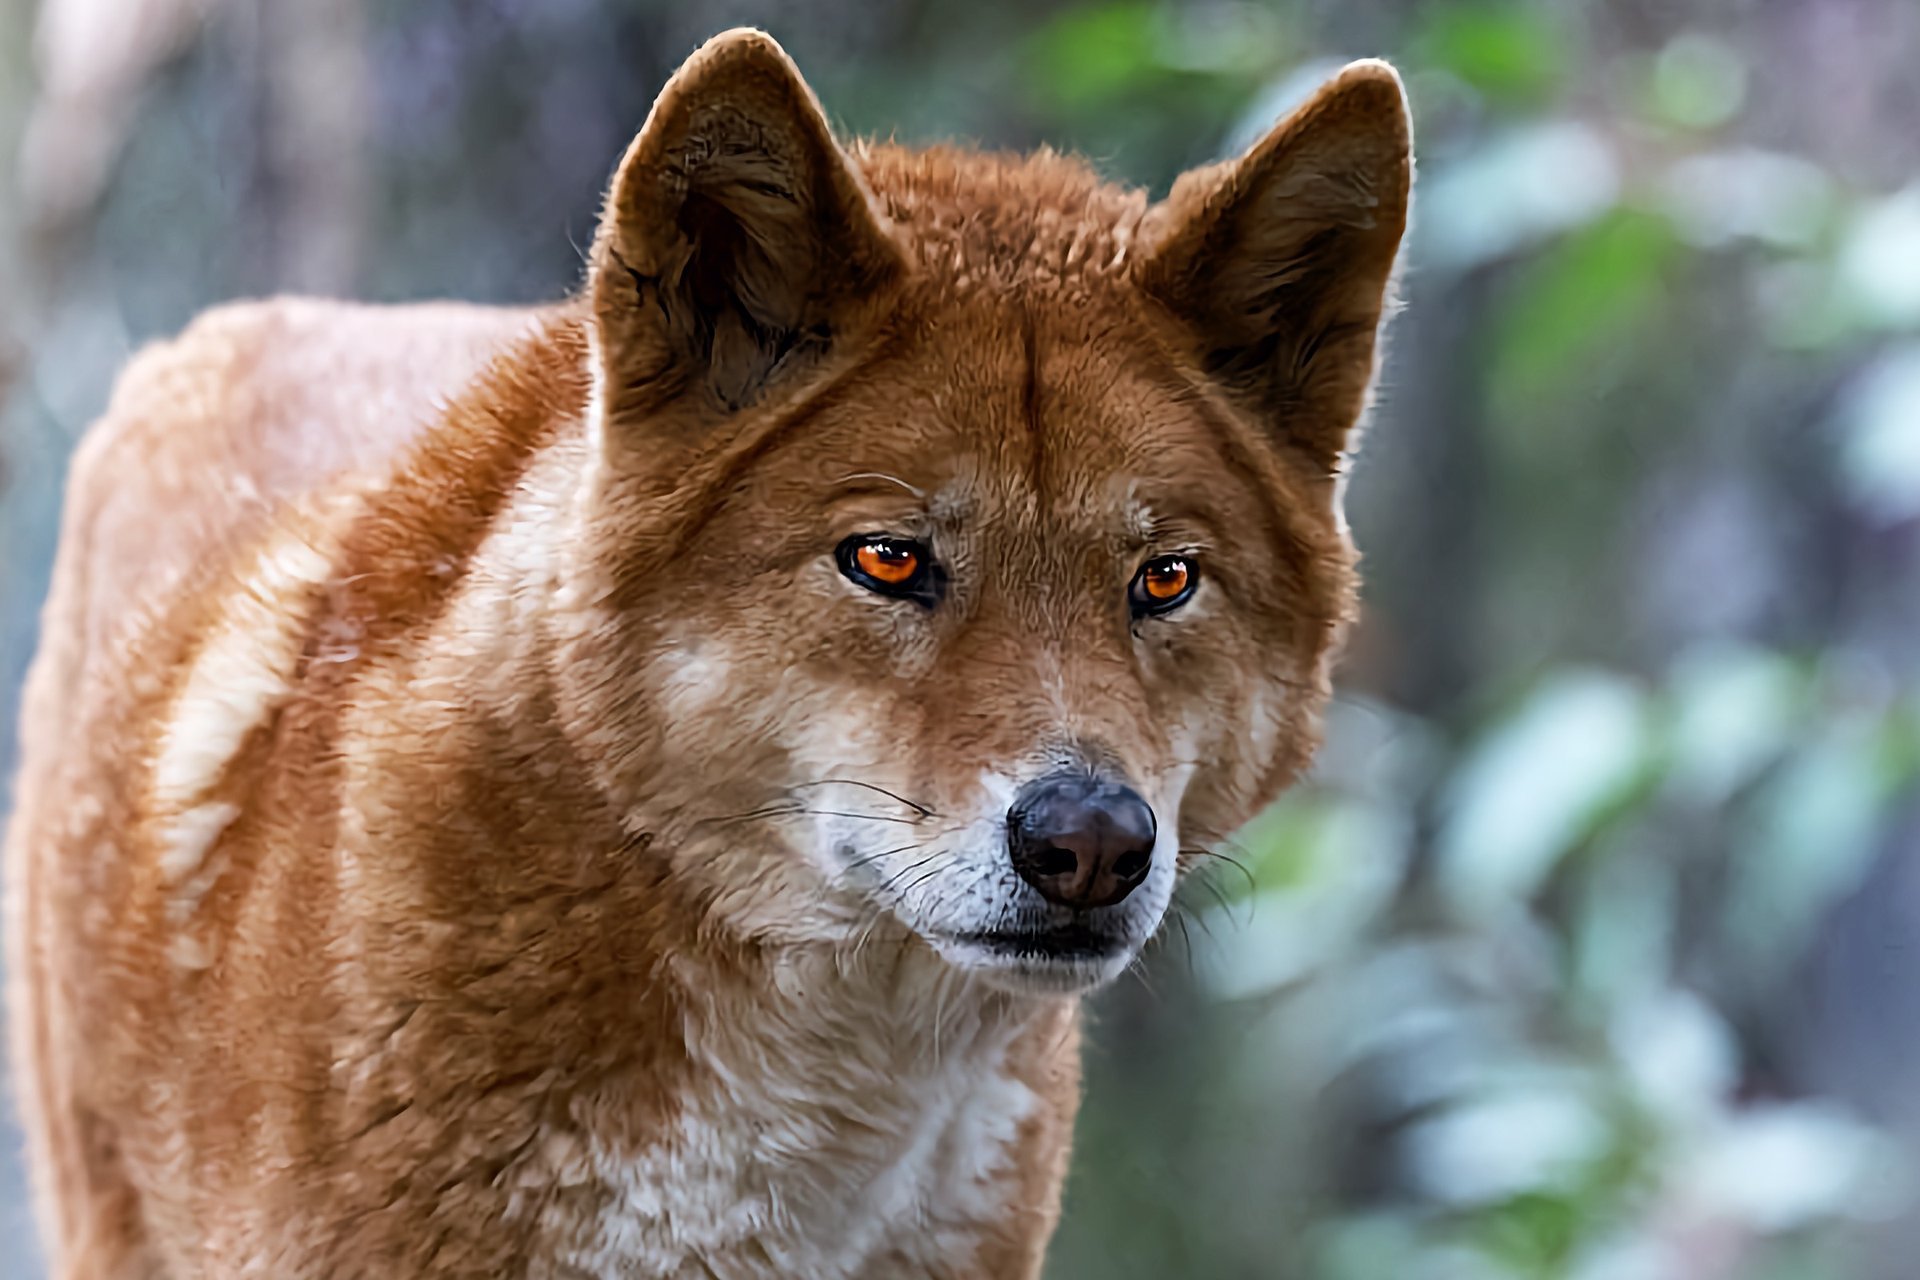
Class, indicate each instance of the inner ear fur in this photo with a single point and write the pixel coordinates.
(738, 240)
(1279, 265)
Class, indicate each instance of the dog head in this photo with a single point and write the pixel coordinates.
(961, 548)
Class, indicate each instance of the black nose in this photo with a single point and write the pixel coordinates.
(1082, 842)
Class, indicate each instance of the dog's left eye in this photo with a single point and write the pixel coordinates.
(1162, 584)
(889, 566)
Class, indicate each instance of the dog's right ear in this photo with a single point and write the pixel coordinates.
(738, 240)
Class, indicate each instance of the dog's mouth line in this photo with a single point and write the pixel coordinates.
(1072, 942)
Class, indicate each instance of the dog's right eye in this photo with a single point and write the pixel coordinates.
(890, 566)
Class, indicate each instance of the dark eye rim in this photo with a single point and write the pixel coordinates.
(1146, 606)
(922, 588)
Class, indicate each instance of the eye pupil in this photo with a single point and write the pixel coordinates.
(890, 566)
(1162, 584)
(889, 562)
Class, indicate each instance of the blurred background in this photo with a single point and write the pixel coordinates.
(1590, 950)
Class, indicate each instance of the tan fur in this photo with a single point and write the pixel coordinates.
(469, 826)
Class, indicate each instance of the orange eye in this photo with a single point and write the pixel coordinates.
(890, 566)
(894, 563)
(1164, 580)
(1163, 583)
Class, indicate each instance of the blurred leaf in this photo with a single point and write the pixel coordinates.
(1900, 747)
(1282, 843)
(1221, 37)
(1810, 833)
(1086, 72)
(1734, 709)
(1519, 1141)
(1680, 1060)
(1620, 928)
(1880, 450)
(1698, 82)
(1879, 265)
(1584, 294)
(1780, 1167)
(1532, 789)
(1324, 867)
(1533, 1233)
(1363, 1247)
(1516, 189)
(1514, 54)
(1094, 55)
(1720, 197)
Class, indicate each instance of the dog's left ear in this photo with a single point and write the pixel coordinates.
(737, 239)
(1279, 263)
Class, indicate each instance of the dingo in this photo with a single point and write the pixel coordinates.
(635, 788)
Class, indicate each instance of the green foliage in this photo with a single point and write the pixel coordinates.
(1515, 54)
(1090, 58)
(1696, 82)
(1597, 287)
(1597, 1090)
(1531, 1235)
(1090, 71)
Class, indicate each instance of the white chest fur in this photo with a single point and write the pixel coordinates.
(838, 1144)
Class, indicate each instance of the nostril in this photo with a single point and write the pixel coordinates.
(1081, 842)
(1055, 861)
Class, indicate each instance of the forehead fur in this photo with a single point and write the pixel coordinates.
(1041, 222)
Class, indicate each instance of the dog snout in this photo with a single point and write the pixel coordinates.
(1081, 841)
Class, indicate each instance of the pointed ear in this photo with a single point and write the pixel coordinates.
(738, 241)
(1279, 263)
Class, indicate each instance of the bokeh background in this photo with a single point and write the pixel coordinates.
(1590, 950)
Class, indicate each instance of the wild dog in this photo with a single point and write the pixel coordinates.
(637, 787)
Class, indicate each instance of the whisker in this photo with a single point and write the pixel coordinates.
(877, 915)
(794, 807)
(1137, 970)
(857, 863)
(1252, 885)
(868, 817)
(1186, 913)
(1225, 903)
(797, 811)
(922, 879)
(887, 885)
(881, 475)
(1186, 938)
(767, 811)
(914, 805)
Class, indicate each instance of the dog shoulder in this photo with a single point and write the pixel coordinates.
(256, 404)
